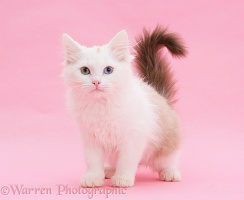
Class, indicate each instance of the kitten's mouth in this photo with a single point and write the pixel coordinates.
(97, 90)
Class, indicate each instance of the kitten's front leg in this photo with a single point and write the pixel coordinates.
(94, 176)
(129, 157)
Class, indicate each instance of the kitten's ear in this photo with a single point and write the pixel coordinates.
(71, 49)
(119, 46)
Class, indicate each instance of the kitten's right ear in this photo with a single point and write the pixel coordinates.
(72, 49)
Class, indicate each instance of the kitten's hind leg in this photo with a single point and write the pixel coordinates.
(167, 167)
(110, 166)
(109, 172)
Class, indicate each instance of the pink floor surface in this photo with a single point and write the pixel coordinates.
(40, 145)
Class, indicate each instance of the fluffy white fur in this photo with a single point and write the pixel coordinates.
(124, 122)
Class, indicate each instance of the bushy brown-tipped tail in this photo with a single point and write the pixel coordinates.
(153, 67)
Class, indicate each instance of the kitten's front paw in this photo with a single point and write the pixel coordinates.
(90, 180)
(122, 181)
(170, 175)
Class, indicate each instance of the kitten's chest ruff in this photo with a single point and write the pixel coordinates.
(101, 124)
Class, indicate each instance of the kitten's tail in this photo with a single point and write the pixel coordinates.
(153, 68)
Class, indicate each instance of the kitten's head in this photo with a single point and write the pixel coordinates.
(98, 71)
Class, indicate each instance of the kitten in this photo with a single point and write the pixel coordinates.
(124, 120)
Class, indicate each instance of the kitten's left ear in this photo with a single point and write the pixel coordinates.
(119, 46)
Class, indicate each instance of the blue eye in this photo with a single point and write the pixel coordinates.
(108, 70)
(85, 70)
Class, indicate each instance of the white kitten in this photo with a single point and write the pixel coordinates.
(124, 120)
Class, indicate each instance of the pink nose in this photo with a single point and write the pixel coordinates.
(96, 83)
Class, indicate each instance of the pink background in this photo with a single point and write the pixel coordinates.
(39, 142)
